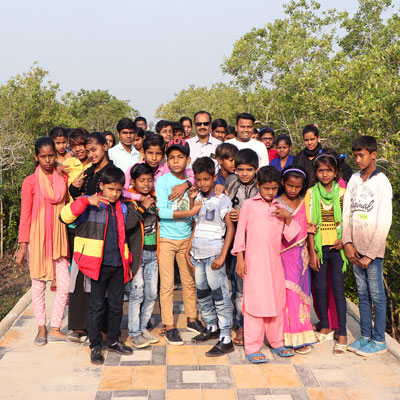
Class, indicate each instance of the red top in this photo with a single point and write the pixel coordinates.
(272, 153)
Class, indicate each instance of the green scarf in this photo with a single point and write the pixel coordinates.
(318, 193)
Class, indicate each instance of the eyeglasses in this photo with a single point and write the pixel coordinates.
(202, 123)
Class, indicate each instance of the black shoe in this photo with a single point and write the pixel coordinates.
(220, 349)
(173, 337)
(120, 348)
(195, 326)
(206, 335)
(96, 357)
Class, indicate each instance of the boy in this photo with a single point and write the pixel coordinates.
(178, 130)
(175, 230)
(102, 255)
(367, 216)
(225, 154)
(142, 234)
(209, 251)
(60, 137)
(218, 129)
(240, 187)
(164, 128)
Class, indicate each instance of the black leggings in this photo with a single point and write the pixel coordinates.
(320, 281)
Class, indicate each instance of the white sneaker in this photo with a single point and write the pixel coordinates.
(150, 337)
(139, 342)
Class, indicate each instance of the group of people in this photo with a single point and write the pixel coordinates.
(254, 231)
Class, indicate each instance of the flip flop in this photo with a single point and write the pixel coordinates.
(280, 351)
(252, 357)
(323, 337)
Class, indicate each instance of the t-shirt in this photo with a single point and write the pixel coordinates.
(255, 145)
(150, 229)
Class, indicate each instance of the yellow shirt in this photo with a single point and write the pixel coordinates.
(75, 167)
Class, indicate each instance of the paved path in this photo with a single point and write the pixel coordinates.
(64, 371)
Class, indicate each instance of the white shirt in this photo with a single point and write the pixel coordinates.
(121, 158)
(255, 145)
(198, 149)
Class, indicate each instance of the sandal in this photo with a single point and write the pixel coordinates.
(341, 348)
(323, 337)
(301, 350)
(252, 357)
(280, 351)
(239, 339)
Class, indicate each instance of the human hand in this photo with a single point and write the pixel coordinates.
(351, 253)
(78, 181)
(312, 228)
(96, 200)
(61, 169)
(338, 245)
(178, 191)
(147, 201)
(241, 268)
(364, 262)
(281, 212)
(219, 189)
(21, 253)
(193, 192)
(196, 207)
(218, 262)
(315, 262)
(189, 261)
(234, 215)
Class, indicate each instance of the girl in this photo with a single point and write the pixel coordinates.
(262, 223)
(138, 142)
(298, 332)
(110, 139)
(324, 202)
(43, 238)
(266, 135)
(283, 145)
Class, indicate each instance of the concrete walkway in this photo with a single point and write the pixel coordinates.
(64, 371)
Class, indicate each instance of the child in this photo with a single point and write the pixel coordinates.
(164, 128)
(297, 328)
(324, 203)
(110, 139)
(43, 239)
(255, 136)
(142, 233)
(101, 252)
(187, 126)
(283, 145)
(225, 154)
(209, 249)
(240, 186)
(262, 224)
(60, 137)
(178, 130)
(175, 230)
(218, 129)
(367, 216)
(230, 133)
(266, 135)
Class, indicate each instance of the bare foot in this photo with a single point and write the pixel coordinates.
(42, 332)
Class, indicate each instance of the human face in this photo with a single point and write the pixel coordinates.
(283, 149)
(364, 159)
(61, 143)
(78, 150)
(219, 133)
(202, 125)
(246, 173)
(142, 124)
(205, 182)
(111, 191)
(179, 134)
(46, 159)
(137, 142)
(167, 133)
(110, 141)
(310, 140)
(96, 152)
(187, 126)
(177, 161)
(267, 139)
(229, 136)
(268, 190)
(153, 156)
(126, 137)
(143, 184)
(325, 174)
(255, 136)
(244, 129)
(293, 187)
(227, 164)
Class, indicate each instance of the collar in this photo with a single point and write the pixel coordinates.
(120, 147)
(376, 172)
(258, 197)
(208, 141)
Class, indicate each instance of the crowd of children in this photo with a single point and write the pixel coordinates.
(255, 245)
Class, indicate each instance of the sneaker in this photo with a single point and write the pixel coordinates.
(77, 337)
(361, 341)
(195, 326)
(221, 349)
(120, 348)
(173, 337)
(139, 342)
(150, 337)
(372, 347)
(96, 357)
(206, 335)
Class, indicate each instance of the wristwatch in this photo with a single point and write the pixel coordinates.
(189, 183)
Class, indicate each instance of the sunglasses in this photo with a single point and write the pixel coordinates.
(202, 123)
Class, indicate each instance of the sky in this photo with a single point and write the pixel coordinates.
(141, 51)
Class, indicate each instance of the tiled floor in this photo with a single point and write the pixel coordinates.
(64, 371)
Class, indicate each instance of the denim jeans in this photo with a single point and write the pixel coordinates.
(143, 294)
(237, 293)
(213, 295)
(370, 289)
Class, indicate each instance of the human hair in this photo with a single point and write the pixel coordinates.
(96, 137)
(246, 156)
(330, 158)
(125, 123)
(284, 138)
(141, 169)
(77, 136)
(311, 128)
(177, 127)
(268, 173)
(58, 131)
(266, 129)
(296, 171)
(183, 119)
(201, 112)
(83, 130)
(139, 132)
(225, 151)
(42, 142)
(204, 164)
(219, 123)
(162, 123)
(109, 133)
(112, 175)
(245, 116)
(365, 142)
(230, 130)
(154, 140)
(140, 119)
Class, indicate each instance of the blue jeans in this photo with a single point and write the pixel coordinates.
(237, 293)
(143, 294)
(370, 289)
(213, 295)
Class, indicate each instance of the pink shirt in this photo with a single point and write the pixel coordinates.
(259, 233)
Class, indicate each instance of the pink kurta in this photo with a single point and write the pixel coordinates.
(259, 233)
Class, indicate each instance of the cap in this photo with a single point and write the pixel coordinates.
(180, 144)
